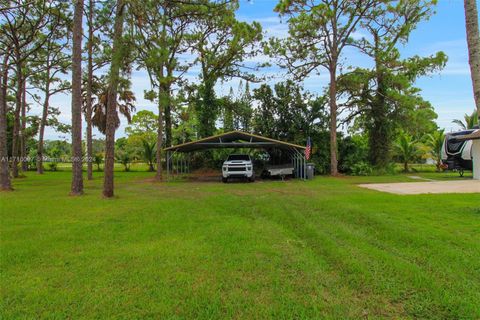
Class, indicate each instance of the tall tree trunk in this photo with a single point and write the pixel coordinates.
(88, 107)
(23, 140)
(228, 116)
(43, 123)
(473, 40)
(77, 179)
(333, 120)
(5, 183)
(161, 101)
(16, 121)
(168, 118)
(379, 131)
(151, 167)
(168, 109)
(208, 109)
(117, 58)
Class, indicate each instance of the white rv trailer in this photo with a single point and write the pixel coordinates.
(457, 153)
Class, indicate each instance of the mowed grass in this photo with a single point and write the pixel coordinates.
(317, 249)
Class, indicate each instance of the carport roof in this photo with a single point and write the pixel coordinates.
(471, 136)
(234, 139)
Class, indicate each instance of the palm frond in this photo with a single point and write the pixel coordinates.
(469, 121)
(460, 123)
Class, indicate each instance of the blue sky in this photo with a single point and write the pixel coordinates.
(449, 91)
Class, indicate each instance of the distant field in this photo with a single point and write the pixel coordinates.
(141, 166)
(137, 166)
(281, 250)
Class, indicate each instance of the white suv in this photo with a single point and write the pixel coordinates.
(238, 166)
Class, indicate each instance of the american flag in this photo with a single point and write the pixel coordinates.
(308, 149)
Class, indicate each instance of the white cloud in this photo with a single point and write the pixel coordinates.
(278, 30)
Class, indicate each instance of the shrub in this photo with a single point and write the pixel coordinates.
(353, 154)
(321, 152)
(407, 149)
(98, 159)
(124, 158)
(388, 169)
(361, 169)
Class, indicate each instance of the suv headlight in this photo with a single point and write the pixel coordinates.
(249, 168)
(224, 168)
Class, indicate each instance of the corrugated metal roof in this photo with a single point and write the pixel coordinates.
(471, 136)
(233, 139)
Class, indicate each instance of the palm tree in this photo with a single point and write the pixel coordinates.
(98, 159)
(470, 121)
(125, 158)
(125, 104)
(88, 88)
(149, 154)
(77, 179)
(110, 101)
(435, 143)
(473, 40)
(406, 148)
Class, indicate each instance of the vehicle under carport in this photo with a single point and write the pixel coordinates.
(178, 158)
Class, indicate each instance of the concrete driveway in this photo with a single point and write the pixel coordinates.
(455, 186)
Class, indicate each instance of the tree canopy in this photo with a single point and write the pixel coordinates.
(188, 52)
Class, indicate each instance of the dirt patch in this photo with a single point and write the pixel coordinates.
(456, 186)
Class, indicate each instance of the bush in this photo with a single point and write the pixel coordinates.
(388, 169)
(361, 169)
(32, 159)
(353, 155)
(98, 159)
(53, 166)
(352, 152)
(321, 152)
(125, 158)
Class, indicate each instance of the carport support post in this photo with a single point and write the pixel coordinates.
(304, 168)
(476, 158)
(295, 166)
(299, 164)
(299, 167)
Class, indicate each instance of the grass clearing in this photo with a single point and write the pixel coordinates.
(318, 249)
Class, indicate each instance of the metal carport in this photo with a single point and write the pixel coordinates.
(178, 162)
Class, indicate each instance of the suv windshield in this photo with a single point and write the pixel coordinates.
(242, 157)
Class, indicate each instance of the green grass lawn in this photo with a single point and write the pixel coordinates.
(283, 250)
